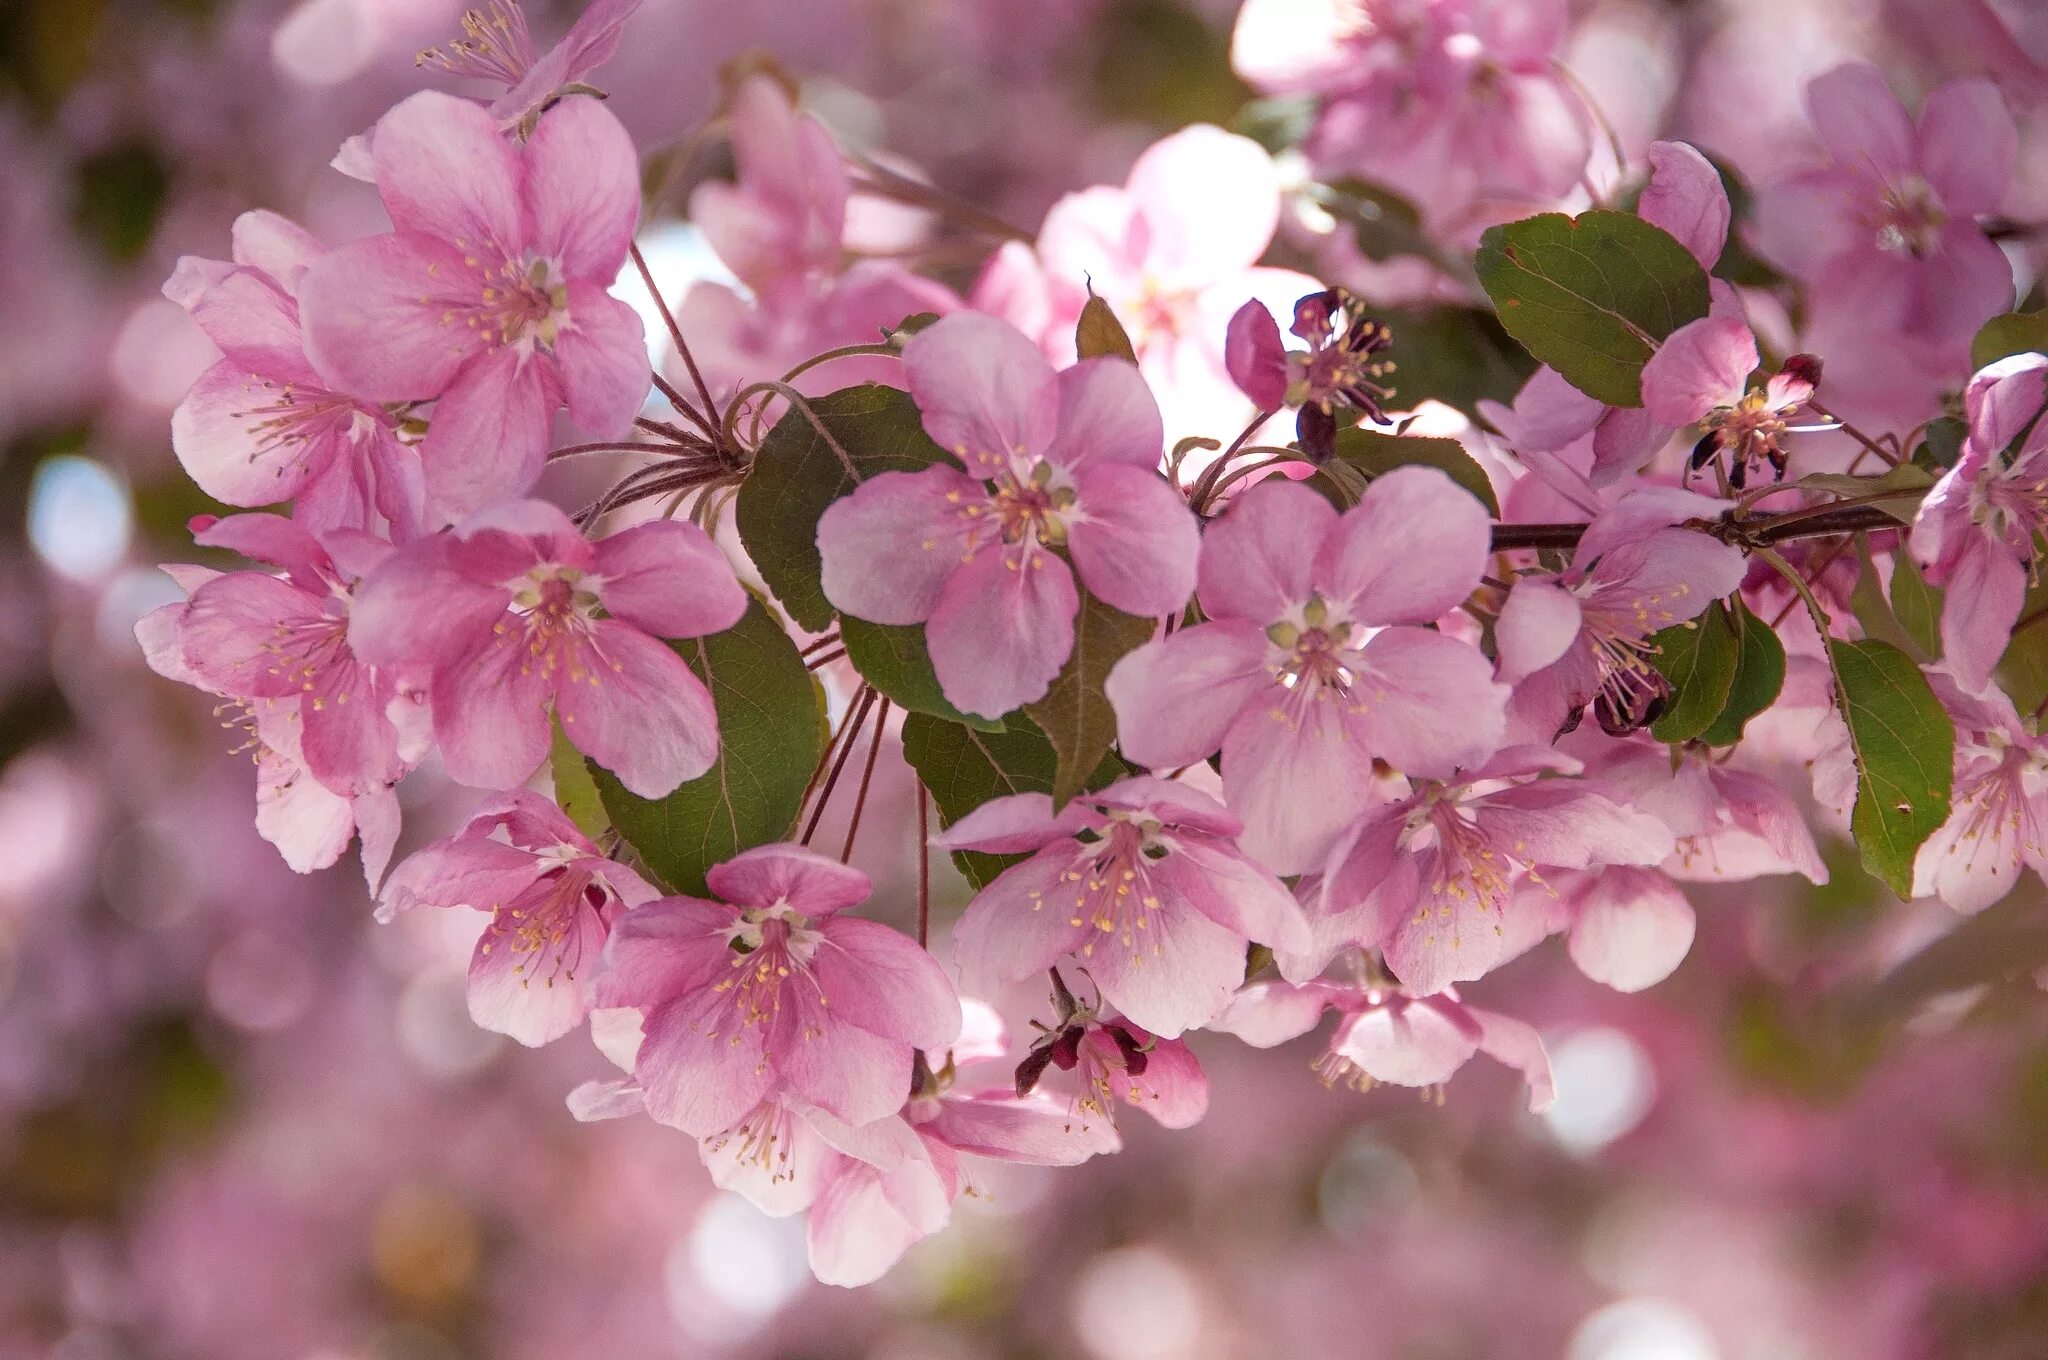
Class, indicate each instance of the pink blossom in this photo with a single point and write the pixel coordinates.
(489, 297)
(1625, 928)
(501, 613)
(1173, 252)
(1975, 531)
(1141, 883)
(771, 989)
(1337, 369)
(1388, 1035)
(1454, 103)
(1312, 666)
(1887, 232)
(1998, 819)
(1053, 460)
(1583, 636)
(1119, 1064)
(496, 45)
(1731, 824)
(1700, 374)
(253, 635)
(262, 426)
(552, 896)
(1429, 880)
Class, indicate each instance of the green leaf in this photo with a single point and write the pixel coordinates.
(1075, 713)
(800, 469)
(1098, 332)
(1459, 356)
(1759, 676)
(1904, 745)
(1592, 295)
(1902, 487)
(1385, 225)
(964, 768)
(1373, 452)
(893, 658)
(2004, 336)
(1916, 604)
(771, 733)
(1942, 444)
(1873, 611)
(1700, 659)
(575, 790)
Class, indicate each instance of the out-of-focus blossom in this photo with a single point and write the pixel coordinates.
(1390, 1035)
(502, 614)
(1141, 883)
(1312, 665)
(1054, 460)
(1975, 532)
(552, 896)
(489, 298)
(1998, 819)
(771, 989)
(1731, 824)
(1174, 252)
(496, 45)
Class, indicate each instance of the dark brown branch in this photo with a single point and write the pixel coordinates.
(1755, 531)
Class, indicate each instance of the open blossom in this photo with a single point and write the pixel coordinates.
(489, 296)
(1173, 251)
(781, 229)
(262, 426)
(1455, 103)
(1117, 1063)
(1731, 824)
(1583, 636)
(1141, 883)
(1053, 460)
(1701, 375)
(1998, 818)
(252, 635)
(1312, 667)
(1887, 233)
(772, 989)
(1625, 927)
(1339, 368)
(552, 896)
(501, 612)
(1389, 1035)
(1430, 879)
(1975, 533)
(496, 45)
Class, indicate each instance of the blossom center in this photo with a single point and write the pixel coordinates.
(1321, 651)
(525, 303)
(1911, 219)
(546, 927)
(770, 945)
(495, 45)
(1111, 882)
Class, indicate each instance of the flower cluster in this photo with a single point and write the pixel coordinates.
(1189, 710)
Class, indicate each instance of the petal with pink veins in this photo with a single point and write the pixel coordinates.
(668, 578)
(1134, 540)
(885, 982)
(986, 392)
(1002, 630)
(700, 1067)
(1425, 703)
(581, 189)
(634, 707)
(890, 547)
(443, 168)
(1107, 415)
(488, 437)
(1176, 698)
(386, 317)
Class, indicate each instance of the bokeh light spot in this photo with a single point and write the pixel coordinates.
(79, 518)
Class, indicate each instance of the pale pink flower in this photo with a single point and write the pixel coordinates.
(1457, 104)
(1311, 666)
(1174, 252)
(1625, 928)
(1976, 530)
(552, 896)
(253, 635)
(1337, 369)
(1731, 824)
(1887, 233)
(1429, 880)
(1142, 884)
(771, 989)
(1389, 1035)
(489, 297)
(1583, 636)
(262, 426)
(1053, 460)
(1700, 374)
(502, 614)
(1998, 819)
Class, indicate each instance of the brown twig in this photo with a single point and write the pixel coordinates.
(867, 777)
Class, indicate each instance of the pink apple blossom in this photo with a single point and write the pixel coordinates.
(501, 613)
(1731, 823)
(1174, 252)
(1053, 461)
(1457, 104)
(1976, 531)
(1313, 664)
(1388, 1035)
(552, 896)
(1141, 883)
(1998, 818)
(262, 426)
(1429, 880)
(1625, 928)
(1583, 636)
(496, 45)
(489, 296)
(1120, 1064)
(771, 989)
(1887, 233)
(1701, 374)
(1337, 369)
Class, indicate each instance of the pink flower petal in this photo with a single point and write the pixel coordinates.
(1410, 551)
(839, 1067)
(1686, 198)
(1412, 1044)
(444, 169)
(1134, 540)
(1180, 974)
(1033, 1131)
(220, 443)
(581, 189)
(1107, 416)
(1256, 356)
(1014, 825)
(1002, 630)
(668, 578)
(700, 1068)
(276, 245)
(986, 392)
(1211, 200)
(379, 320)
(1293, 772)
(509, 994)
(1514, 1044)
(602, 356)
(883, 981)
(1631, 928)
(490, 715)
(1019, 925)
(488, 438)
(1268, 1014)
(889, 548)
(1424, 703)
(814, 884)
(1968, 146)
(1177, 697)
(637, 710)
(1986, 590)
(1538, 624)
(1862, 121)
(1702, 365)
(1256, 559)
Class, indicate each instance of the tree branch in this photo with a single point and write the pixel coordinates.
(1753, 531)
